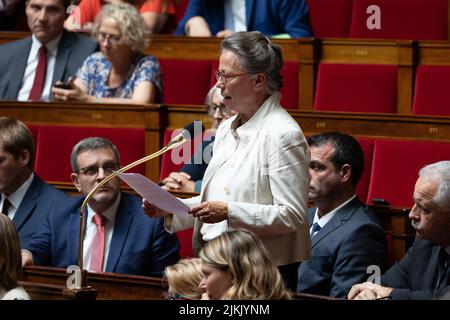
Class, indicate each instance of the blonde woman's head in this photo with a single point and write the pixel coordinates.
(184, 278)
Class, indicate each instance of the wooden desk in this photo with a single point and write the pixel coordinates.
(47, 283)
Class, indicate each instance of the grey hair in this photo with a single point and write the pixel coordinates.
(257, 54)
(441, 172)
(92, 143)
(210, 94)
(132, 25)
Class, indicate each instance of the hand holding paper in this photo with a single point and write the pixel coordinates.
(154, 194)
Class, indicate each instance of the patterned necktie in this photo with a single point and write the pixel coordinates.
(315, 228)
(39, 76)
(6, 206)
(98, 245)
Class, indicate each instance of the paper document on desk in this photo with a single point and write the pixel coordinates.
(154, 194)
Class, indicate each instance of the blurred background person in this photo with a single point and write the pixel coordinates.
(206, 18)
(155, 13)
(10, 262)
(184, 279)
(236, 266)
(25, 198)
(257, 154)
(31, 66)
(190, 176)
(120, 72)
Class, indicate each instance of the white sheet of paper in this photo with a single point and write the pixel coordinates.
(154, 194)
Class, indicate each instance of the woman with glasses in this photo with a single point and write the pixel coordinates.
(258, 176)
(120, 72)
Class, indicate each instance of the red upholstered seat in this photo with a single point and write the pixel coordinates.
(55, 145)
(356, 88)
(289, 92)
(185, 239)
(185, 81)
(396, 166)
(402, 19)
(34, 130)
(330, 18)
(363, 185)
(432, 90)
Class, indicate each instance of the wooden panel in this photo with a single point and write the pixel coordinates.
(434, 52)
(108, 285)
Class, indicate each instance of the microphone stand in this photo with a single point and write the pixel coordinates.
(175, 142)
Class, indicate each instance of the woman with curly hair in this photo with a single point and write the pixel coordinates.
(120, 72)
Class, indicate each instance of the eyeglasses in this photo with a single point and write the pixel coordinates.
(92, 171)
(211, 109)
(111, 38)
(225, 77)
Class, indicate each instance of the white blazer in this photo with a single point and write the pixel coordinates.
(268, 192)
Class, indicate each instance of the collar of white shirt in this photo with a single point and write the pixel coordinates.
(17, 196)
(327, 217)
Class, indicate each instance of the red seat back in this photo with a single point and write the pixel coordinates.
(185, 81)
(330, 18)
(402, 19)
(396, 165)
(356, 88)
(185, 240)
(55, 145)
(363, 184)
(432, 90)
(289, 92)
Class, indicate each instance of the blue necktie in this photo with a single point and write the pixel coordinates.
(315, 228)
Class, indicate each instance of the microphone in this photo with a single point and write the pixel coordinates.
(186, 134)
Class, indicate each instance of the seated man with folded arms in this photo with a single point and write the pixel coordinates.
(25, 198)
(346, 237)
(119, 237)
(424, 272)
(190, 176)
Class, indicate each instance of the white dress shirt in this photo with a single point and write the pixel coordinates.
(327, 217)
(91, 230)
(30, 71)
(235, 15)
(17, 196)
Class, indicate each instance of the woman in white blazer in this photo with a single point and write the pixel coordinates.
(258, 176)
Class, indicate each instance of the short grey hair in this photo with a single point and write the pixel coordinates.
(92, 143)
(134, 30)
(441, 172)
(257, 54)
(210, 94)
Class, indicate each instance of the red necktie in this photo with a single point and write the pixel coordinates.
(39, 76)
(98, 246)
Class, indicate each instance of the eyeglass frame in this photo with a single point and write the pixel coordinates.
(112, 39)
(225, 77)
(212, 107)
(108, 169)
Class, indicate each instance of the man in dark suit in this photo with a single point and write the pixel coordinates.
(424, 271)
(25, 198)
(56, 52)
(220, 18)
(119, 237)
(346, 237)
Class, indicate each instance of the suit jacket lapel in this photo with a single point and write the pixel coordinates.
(28, 203)
(64, 49)
(432, 269)
(73, 236)
(18, 70)
(121, 228)
(339, 218)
